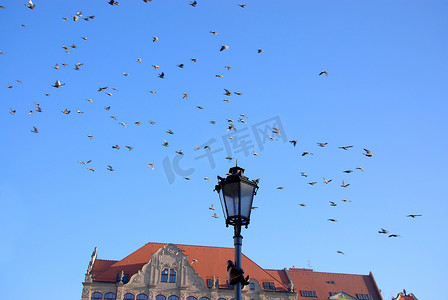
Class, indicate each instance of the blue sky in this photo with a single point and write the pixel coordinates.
(386, 91)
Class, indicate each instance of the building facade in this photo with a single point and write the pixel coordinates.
(184, 272)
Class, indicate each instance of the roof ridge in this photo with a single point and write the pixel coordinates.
(333, 273)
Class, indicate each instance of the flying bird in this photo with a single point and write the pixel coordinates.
(208, 179)
(138, 123)
(332, 220)
(215, 216)
(122, 123)
(185, 96)
(151, 165)
(327, 181)
(161, 75)
(110, 168)
(212, 207)
(224, 47)
(260, 50)
(360, 168)
(322, 144)
(394, 235)
(155, 67)
(65, 111)
(228, 67)
(58, 84)
(383, 231)
(332, 203)
(213, 32)
(347, 171)
(340, 252)
(323, 72)
(116, 147)
(242, 5)
(165, 143)
(84, 162)
(302, 204)
(193, 3)
(312, 183)
(368, 153)
(12, 111)
(281, 188)
(413, 216)
(180, 152)
(293, 142)
(30, 5)
(303, 174)
(194, 59)
(344, 184)
(90, 136)
(129, 147)
(345, 147)
(113, 2)
(34, 130)
(306, 152)
(139, 60)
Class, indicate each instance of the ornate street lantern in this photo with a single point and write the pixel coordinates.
(236, 193)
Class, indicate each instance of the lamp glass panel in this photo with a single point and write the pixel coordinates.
(247, 195)
(230, 193)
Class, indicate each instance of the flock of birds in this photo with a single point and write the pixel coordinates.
(230, 124)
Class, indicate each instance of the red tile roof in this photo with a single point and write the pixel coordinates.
(324, 283)
(211, 261)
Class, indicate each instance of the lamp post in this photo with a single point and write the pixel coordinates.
(236, 193)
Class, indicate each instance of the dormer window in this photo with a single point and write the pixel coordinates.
(269, 286)
(308, 294)
(364, 297)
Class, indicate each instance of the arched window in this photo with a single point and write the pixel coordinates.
(252, 286)
(128, 296)
(191, 298)
(173, 297)
(160, 297)
(97, 296)
(172, 275)
(142, 297)
(204, 298)
(110, 296)
(164, 277)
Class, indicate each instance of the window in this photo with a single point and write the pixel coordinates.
(173, 297)
(333, 293)
(160, 297)
(164, 276)
(97, 296)
(331, 282)
(308, 293)
(252, 286)
(142, 297)
(172, 275)
(110, 296)
(204, 298)
(191, 298)
(128, 296)
(364, 297)
(209, 283)
(125, 278)
(269, 286)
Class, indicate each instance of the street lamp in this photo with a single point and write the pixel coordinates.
(236, 193)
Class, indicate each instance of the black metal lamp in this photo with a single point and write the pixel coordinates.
(236, 193)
